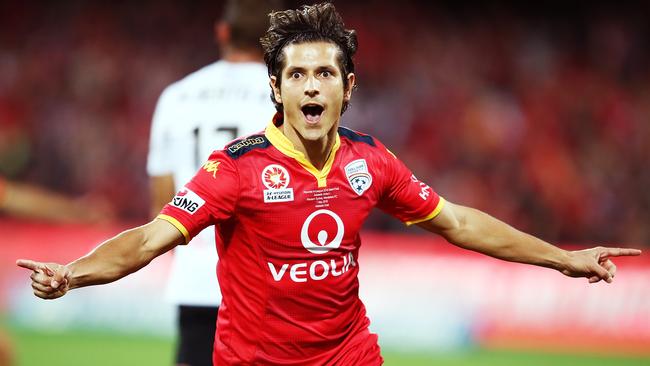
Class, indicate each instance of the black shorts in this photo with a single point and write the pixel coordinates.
(197, 325)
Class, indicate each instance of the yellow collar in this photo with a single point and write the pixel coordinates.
(282, 143)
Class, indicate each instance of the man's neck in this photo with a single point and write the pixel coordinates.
(232, 54)
(317, 152)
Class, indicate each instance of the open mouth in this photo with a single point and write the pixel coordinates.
(312, 112)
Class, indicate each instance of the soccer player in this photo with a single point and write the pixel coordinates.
(288, 204)
(201, 112)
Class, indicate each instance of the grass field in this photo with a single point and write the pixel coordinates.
(34, 348)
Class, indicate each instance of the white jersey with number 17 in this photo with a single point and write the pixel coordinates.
(193, 117)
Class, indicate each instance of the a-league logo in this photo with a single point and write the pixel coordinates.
(276, 179)
(322, 246)
(275, 176)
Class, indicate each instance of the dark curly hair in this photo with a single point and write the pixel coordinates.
(310, 23)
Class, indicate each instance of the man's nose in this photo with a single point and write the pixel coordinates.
(312, 87)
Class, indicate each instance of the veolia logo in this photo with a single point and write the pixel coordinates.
(322, 246)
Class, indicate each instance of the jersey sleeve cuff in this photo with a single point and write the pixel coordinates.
(177, 225)
(434, 213)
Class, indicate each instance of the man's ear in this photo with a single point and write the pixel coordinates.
(276, 90)
(347, 93)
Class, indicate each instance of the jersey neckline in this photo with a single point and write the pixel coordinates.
(285, 146)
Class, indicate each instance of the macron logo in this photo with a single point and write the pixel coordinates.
(187, 201)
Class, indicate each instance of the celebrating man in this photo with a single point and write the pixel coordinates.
(288, 204)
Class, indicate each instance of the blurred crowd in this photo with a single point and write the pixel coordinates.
(540, 117)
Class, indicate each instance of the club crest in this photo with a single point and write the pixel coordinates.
(358, 176)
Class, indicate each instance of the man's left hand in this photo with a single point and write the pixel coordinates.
(595, 263)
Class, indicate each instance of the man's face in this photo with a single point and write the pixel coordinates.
(311, 91)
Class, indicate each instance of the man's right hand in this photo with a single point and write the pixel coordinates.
(49, 280)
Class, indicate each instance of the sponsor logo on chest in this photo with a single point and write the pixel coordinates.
(358, 176)
(322, 232)
(187, 201)
(276, 179)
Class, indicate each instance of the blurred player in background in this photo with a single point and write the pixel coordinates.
(194, 116)
(35, 203)
(288, 205)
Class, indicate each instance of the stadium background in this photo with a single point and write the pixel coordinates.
(536, 113)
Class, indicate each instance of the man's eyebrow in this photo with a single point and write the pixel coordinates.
(295, 68)
(330, 68)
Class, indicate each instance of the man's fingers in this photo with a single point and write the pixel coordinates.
(602, 273)
(54, 277)
(47, 283)
(41, 294)
(48, 296)
(41, 278)
(30, 264)
(42, 288)
(59, 278)
(610, 267)
(48, 271)
(618, 252)
(594, 279)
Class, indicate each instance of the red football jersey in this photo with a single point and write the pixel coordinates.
(288, 244)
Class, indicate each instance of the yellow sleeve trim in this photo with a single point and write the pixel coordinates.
(430, 216)
(177, 225)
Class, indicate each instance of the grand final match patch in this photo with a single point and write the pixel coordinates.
(187, 201)
(358, 176)
(276, 179)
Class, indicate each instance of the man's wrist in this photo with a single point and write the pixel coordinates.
(561, 260)
(73, 281)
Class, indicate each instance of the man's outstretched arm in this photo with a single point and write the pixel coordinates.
(475, 230)
(115, 258)
(32, 202)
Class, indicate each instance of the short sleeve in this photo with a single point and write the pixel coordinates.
(165, 115)
(209, 198)
(404, 196)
